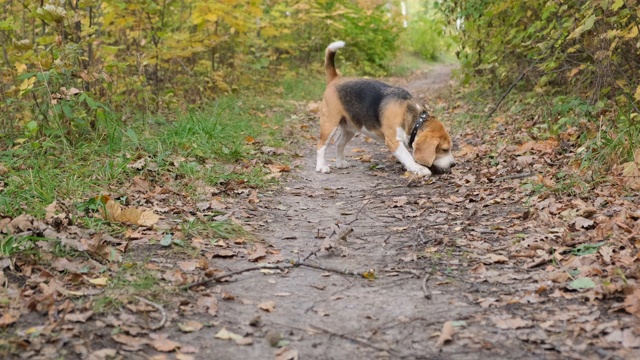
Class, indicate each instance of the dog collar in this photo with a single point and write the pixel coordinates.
(416, 127)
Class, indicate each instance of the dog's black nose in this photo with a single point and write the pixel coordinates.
(453, 165)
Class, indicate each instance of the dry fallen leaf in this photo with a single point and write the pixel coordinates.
(208, 304)
(79, 317)
(101, 281)
(245, 341)
(130, 343)
(190, 326)
(225, 334)
(276, 169)
(162, 343)
(446, 334)
(496, 259)
(258, 252)
(253, 198)
(114, 212)
(189, 265)
(267, 306)
(632, 301)
(287, 353)
(102, 354)
(510, 323)
(478, 269)
(50, 211)
(9, 318)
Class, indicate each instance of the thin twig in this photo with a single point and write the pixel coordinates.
(363, 274)
(237, 272)
(366, 201)
(507, 93)
(159, 307)
(516, 176)
(427, 294)
(350, 338)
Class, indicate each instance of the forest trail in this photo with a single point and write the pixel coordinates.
(369, 262)
(454, 249)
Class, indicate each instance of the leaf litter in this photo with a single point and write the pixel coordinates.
(497, 247)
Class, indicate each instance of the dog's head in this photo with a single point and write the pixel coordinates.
(432, 147)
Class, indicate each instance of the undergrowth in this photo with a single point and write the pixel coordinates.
(601, 134)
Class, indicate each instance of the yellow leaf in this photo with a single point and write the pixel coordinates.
(20, 67)
(101, 281)
(573, 72)
(637, 95)
(617, 4)
(369, 275)
(27, 83)
(632, 32)
(148, 218)
(249, 139)
(114, 212)
(225, 334)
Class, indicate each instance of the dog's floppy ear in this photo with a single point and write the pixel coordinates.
(425, 149)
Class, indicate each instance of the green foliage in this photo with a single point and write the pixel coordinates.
(69, 67)
(426, 34)
(585, 55)
(209, 145)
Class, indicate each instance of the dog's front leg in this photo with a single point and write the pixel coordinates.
(404, 156)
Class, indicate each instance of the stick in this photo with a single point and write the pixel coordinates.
(363, 274)
(427, 294)
(347, 337)
(237, 272)
(160, 325)
(516, 176)
(507, 93)
(367, 201)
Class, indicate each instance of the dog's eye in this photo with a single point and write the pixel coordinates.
(444, 149)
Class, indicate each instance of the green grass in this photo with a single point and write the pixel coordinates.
(406, 64)
(217, 145)
(212, 144)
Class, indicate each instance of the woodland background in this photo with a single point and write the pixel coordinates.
(139, 130)
(68, 67)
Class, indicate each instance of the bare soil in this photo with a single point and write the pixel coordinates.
(436, 248)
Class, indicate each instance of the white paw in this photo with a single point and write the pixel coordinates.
(323, 169)
(341, 164)
(422, 171)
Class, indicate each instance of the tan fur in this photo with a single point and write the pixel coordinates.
(431, 142)
(431, 147)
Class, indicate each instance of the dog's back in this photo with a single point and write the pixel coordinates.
(363, 99)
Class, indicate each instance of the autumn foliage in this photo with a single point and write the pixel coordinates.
(67, 65)
(580, 60)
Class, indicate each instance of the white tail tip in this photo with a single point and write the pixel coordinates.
(334, 46)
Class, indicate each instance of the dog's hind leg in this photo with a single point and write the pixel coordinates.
(327, 133)
(345, 135)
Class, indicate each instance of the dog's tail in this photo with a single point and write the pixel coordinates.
(329, 63)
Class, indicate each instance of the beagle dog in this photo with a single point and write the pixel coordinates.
(384, 112)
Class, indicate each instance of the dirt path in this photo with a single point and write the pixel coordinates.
(332, 316)
(439, 253)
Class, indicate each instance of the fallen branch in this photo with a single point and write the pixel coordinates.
(363, 274)
(350, 338)
(507, 93)
(427, 294)
(292, 264)
(158, 307)
(339, 233)
(516, 176)
(237, 272)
